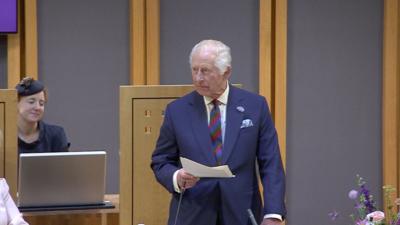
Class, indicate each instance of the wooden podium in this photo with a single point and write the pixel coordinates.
(8, 138)
(142, 199)
(76, 217)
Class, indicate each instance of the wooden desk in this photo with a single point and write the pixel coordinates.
(77, 217)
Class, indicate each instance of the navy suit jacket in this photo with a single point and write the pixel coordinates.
(246, 146)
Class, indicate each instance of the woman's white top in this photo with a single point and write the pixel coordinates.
(9, 213)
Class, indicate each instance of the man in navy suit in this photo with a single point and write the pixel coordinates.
(248, 145)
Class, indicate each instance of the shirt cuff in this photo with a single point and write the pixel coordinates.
(273, 216)
(175, 182)
(18, 221)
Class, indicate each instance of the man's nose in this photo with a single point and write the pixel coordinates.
(199, 76)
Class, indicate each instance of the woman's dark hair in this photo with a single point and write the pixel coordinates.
(29, 86)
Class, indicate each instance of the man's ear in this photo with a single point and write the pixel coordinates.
(227, 73)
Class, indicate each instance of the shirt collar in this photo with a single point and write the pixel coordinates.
(223, 99)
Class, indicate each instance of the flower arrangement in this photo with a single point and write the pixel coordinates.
(365, 207)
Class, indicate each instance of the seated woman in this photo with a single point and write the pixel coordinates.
(9, 213)
(34, 135)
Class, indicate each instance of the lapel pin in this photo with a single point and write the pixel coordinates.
(240, 108)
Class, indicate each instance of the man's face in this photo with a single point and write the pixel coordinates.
(207, 79)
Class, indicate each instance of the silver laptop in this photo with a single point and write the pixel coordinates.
(61, 179)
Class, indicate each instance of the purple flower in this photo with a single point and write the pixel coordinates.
(398, 219)
(353, 194)
(365, 207)
(358, 206)
(368, 201)
(333, 215)
(361, 222)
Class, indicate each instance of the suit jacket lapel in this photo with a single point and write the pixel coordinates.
(200, 128)
(234, 118)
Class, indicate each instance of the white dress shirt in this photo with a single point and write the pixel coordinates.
(9, 213)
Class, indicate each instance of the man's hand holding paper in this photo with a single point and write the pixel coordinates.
(199, 170)
(186, 180)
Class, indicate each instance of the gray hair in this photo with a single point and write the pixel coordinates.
(223, 57)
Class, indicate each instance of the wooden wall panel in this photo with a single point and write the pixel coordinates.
(141, 109)
(280, 74)
(138, 41)
(13, 60)
(22, 55)
(145, 42)
(266, 50)
(126, 156)
(391, 98)
(272, 63)
(153, 42)
(8, 163)
(30, 39)
(14, 63)
(148, 194)
(2, 129)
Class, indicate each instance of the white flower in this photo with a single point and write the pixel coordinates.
(376, 217)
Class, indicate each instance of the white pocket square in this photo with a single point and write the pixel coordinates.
(246, 123)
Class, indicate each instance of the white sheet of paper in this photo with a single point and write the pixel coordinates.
(199, 170)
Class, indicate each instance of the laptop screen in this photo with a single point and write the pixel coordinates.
(61, 178)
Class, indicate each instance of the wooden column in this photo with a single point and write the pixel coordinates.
(266, 50)
(390, 96)
(280, 73)
(272, 63)
(30, 39)
(22, 56)
(153, 42)
(145, 42)
(14, 54)
(8, 139)
(138, 42)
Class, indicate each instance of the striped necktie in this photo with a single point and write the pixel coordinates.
(215, 131)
